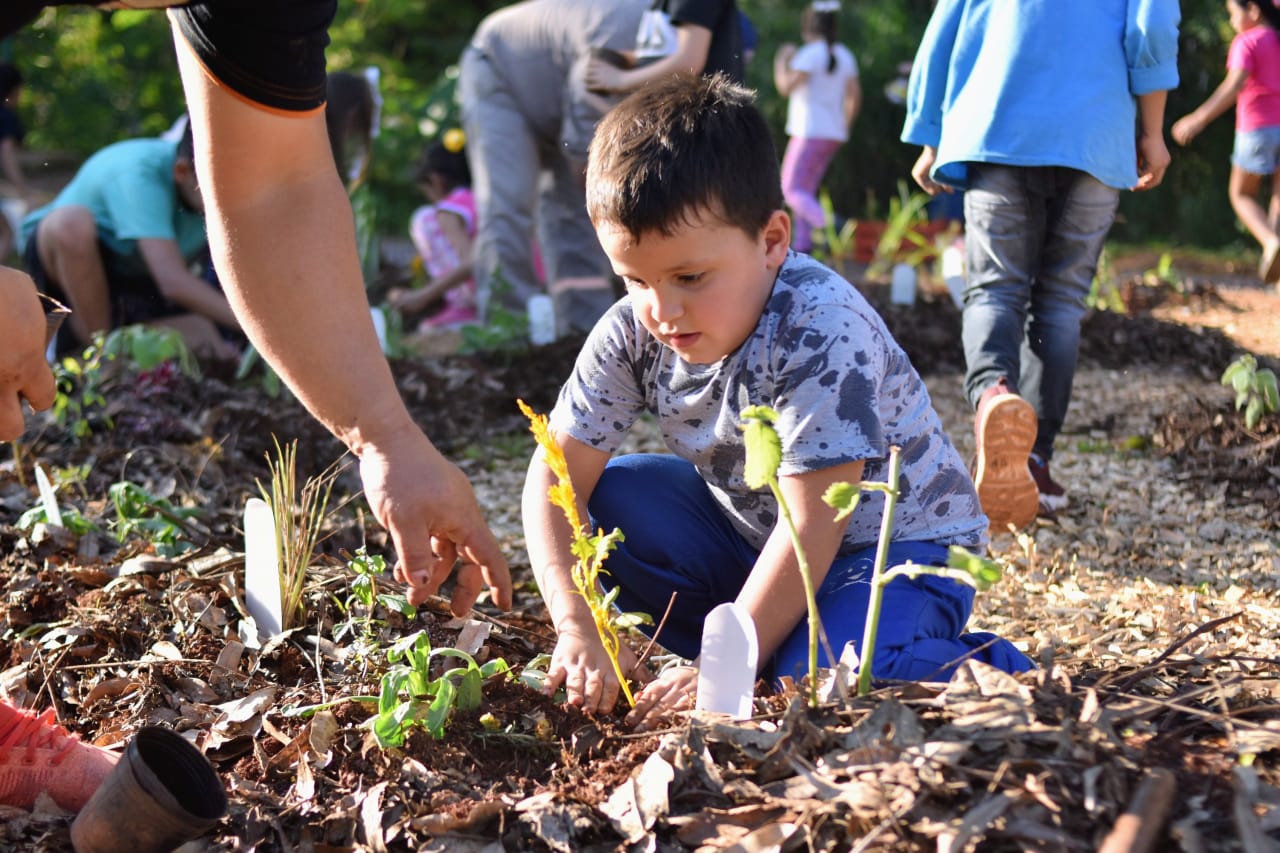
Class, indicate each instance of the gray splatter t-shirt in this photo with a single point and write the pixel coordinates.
(844, 390)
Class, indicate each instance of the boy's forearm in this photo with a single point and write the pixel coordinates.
(1151, 112)
(548, 541)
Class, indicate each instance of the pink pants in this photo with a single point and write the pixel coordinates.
(803, 166)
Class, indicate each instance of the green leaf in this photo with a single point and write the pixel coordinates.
(763, 447)
(843, 498)
(983, 571)
(438, 712)
(1253, 413)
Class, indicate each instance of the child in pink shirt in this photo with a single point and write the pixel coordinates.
(1253, 85)
(443, 233)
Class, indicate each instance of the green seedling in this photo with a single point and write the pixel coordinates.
(298, 518)
(837, 243)
(71, 519)
(905, 212)
(147, 347)
(764, 455)
(157, 520)
(1104, 295)
(411, 697)
(962, 566)
(360, 606)
(590, 551)
(1255, 389)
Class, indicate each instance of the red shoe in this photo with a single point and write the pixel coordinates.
(1005, 430)
(37, 754)
(1052, 496)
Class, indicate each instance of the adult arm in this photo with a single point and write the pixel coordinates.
(693, 43)
(281, 229)
(24, 373)
(774, 591)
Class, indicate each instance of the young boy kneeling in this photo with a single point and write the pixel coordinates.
(684, 191)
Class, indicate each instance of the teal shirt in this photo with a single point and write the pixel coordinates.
(1039, 83)
(130, 189)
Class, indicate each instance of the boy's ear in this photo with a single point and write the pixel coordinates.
(777, 238)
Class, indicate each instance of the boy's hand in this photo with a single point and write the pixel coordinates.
(581, 665)
(602, 77)
(1153, 161)
(674, 690)
(920, 171)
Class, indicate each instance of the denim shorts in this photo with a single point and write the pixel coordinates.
(1257, 151)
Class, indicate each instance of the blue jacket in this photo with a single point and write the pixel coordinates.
(1039, 83)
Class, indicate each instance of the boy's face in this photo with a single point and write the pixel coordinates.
(701, 290)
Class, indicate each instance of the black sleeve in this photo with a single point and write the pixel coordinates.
(269, 51)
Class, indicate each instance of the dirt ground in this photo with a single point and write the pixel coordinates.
(1151, 604)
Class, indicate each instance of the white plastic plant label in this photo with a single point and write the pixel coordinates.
(262, 568)
(727, 666)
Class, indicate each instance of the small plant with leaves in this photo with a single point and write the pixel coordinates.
(764, 455)
(139, 513)
(411, 697)
(1255, 389)
(360, 607)
(905, 213)
(589, 551)
(962, 566)
(298, 515)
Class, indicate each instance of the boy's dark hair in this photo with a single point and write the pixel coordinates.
(10, 79)
(450, 165)
(679, 147)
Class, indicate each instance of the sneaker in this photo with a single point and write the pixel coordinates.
(1269, 266)
(1052, 496)
(37, 754)
(1005, 429)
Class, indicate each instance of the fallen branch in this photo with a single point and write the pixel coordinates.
(1138, 829)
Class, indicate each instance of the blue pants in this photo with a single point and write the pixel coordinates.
(1032, 240)
(678, 541)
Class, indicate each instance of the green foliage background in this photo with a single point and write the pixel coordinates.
(95, 77)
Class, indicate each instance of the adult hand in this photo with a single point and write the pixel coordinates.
(24, 373)
(920, 171)
(430, 510)
(1185, 129)
(673, 690)
(1153, 161)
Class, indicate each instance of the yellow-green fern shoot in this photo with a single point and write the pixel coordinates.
(590, 551)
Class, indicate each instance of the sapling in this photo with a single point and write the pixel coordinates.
(1255, 389)
(764, 455)
(962, 566)
(298, 518)
(589, 551)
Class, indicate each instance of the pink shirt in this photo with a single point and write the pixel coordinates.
(438, 254)
(1256, 51)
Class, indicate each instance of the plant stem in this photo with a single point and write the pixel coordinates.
(810, 599)
(877, 582)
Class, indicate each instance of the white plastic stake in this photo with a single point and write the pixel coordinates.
(379, 327)
(902, 287)
(262, 568)
(727, 665)
(52, 515)
(542, 319)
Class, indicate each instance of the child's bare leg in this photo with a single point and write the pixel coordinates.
(1273, 209)
(1243, 189)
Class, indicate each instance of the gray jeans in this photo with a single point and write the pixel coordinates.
(518, 179)
(1032, 240)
